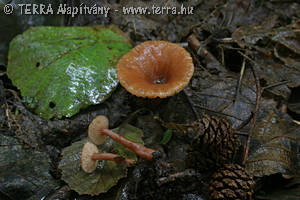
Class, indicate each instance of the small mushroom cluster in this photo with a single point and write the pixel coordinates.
(97, 133)
(152, 69)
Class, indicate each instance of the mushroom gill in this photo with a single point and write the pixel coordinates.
(155, 69)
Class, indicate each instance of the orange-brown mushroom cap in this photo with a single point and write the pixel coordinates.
(87, 163)
(155, 69)
(95, 127)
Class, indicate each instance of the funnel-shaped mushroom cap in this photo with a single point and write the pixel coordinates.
(95, 127)
(87, 164)
(155, 69)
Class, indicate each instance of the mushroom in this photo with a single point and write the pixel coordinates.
(155, 69)
(97, 130)
(99, 123)
(90, 156)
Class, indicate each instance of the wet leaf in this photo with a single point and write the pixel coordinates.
(107, 173)
(216, 95)
(276, 53)
(274, 151)
(61, 70)
(282, 194)
(291, 191)
(24, 173)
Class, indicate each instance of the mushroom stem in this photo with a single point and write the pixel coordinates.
(140, 150)
(111, 157)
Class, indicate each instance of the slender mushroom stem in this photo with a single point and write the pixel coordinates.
(90, 156)
(140, 150)
(111, 157)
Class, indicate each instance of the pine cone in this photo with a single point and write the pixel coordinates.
(231, 182)
(213, 143)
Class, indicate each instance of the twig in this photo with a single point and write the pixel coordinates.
(167, 3)
(220, 113)
(244, 123)
(15, 94)
(238, 87)
(284, 136)
(173, 177)
(296, 122)
(240, 133)
(256, 108)
(275, 85)
(199, 94)
(196, 59)
(199, 48)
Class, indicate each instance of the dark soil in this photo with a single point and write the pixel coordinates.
(230, 42)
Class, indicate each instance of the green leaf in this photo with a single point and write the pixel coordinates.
(60, 70)
(107, 173)
(167, 136)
